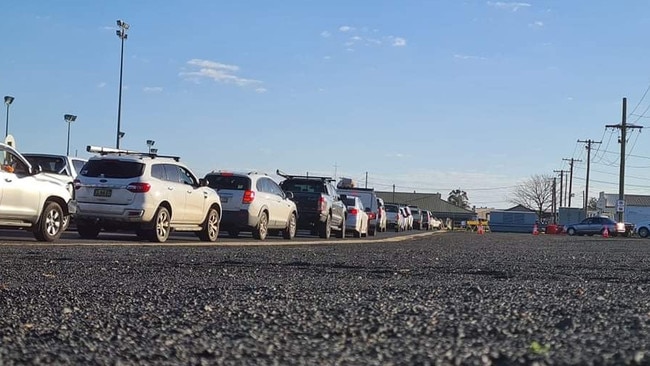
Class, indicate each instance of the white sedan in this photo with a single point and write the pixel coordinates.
(356, 219)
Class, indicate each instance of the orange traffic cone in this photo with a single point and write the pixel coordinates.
(535, 230)
(605, 232)
(480, 230)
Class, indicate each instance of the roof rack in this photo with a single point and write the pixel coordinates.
(108, 150)
(292, 176)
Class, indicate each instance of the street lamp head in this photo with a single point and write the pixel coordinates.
(122, 24)
(8, 99)
(121, 134)
(70, 117)
(150, 143)
(153, 151)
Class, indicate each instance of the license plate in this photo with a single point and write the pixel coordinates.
(103, 192)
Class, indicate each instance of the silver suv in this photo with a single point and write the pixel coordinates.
(143, 192)
(30, 199)
(254, 202)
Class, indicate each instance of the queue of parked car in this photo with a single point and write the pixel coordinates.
(152, 195)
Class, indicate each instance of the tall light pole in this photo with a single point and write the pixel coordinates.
(150, 144)
(69, 118)
(121, 33)
(8, 100)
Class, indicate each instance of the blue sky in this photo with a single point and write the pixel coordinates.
(427, 95)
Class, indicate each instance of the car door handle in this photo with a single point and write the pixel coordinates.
(8, 180)
(170, 188)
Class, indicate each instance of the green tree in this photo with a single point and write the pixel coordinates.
(458, 198)
(593, 203)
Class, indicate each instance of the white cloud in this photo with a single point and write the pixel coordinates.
(260, 90)
(469, 57)
(346, 28)
(101, 85)
(327, 57)
(398, 42)
(152, 89)
(513, 6)
(536, 24)
(221, 73)
(325, 34)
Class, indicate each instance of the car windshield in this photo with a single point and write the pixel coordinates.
(349, 201)
(219, 181)
(112, 168)
(49, 164)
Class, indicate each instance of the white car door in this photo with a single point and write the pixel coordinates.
(278, 207)
(195, 197)
(20, 192)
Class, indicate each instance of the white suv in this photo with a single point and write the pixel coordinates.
(143, 192)
(30, 199)
(254, 202)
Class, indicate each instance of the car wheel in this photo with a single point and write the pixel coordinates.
(644, 232)
(50, 224)
(210, 230)
(571, 231)
(88, 230)
(325, 230)
(262, 228)
(162, 226)
(290, 232)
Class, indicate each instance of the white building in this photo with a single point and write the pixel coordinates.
(636, 208)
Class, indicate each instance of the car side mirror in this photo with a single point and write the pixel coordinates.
(36, 169)
(203, 182)
(288, 195)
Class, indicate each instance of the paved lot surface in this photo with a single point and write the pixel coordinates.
(444, 298)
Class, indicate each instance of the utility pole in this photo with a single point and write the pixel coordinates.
(623, 126)
(571, 161)
(561, 184)
(366, 179)
(553, 202)
(393, 193)
(586, 199)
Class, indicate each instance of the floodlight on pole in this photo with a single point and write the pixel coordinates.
(69, 118)
(150, 144)
(8, 100)
(121, 33)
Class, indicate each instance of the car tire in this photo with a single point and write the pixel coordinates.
(290, 232)
(88, 230)
(644, 232)
(324, 228)
(372, 230)
(50, 224)
(262, 229)
(571, 231)
(210, 230)
(161, 227)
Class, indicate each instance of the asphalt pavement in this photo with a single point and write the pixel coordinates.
(453, 298)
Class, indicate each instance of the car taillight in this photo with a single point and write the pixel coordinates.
(249, 196)
(371, 215)
(353, 211)
(322, 204)
(138, 187)
(76, 183)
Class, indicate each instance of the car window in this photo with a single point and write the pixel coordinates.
(172, 173)
(273, 187)
(349, 201)
(187, 177)
(112, 168)
(234, 182)
(78, 164)
(391, 208)
(158, 171)
(303, 186)
(49, 164)
(12, 164)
